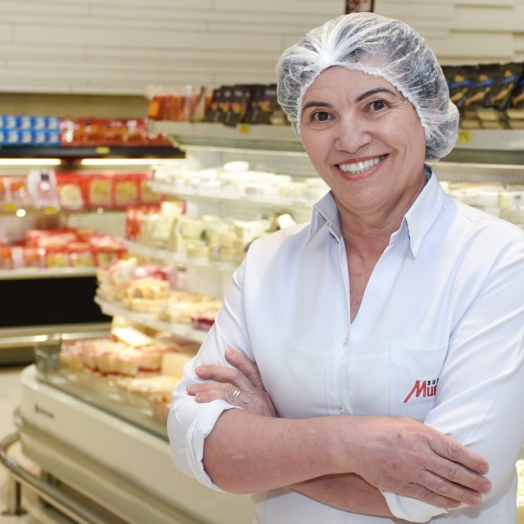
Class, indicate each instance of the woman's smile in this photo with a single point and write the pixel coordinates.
(358, 167)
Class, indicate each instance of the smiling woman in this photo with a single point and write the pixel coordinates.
(367, 143)
(364, 366)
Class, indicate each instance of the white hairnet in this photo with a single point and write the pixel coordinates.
(378, 46)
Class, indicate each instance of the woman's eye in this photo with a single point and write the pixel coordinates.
(321, 116)
(378, 105)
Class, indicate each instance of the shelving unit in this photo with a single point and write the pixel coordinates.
(478, 154)
(50, 298)
(36, 273)
(149, 320)
(78, 152)
(501, 146)
(177, 258)
(243, 136)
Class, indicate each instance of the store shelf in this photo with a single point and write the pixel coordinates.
(485, 146)
(244, 136)
(167, 189)
(502, 146)
(73, 152)
(32, 273)
(479, 172)
(149, 320)
(488, 139)
(177, 258)
(219, 135)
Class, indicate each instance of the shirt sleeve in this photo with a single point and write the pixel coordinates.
(481, 385)
(189, 422)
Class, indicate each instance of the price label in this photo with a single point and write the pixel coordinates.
(465, 136)
(103, 150)
(244, 129)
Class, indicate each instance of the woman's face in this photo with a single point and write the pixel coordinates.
(365, 141)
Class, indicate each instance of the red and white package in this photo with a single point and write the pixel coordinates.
(72, 191)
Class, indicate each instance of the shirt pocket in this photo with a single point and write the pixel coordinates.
(414, 377)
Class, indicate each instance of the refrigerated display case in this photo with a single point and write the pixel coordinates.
(115, 453)
(109, 459)
(42, 301)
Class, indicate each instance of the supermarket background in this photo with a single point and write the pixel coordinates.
(141, 151)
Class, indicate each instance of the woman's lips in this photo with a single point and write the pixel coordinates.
(357, 168)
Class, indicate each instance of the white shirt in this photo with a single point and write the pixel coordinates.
(444, 305)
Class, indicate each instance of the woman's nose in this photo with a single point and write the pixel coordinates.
(352, 134)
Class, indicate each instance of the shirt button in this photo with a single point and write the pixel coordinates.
(342, 410)
(346, 341)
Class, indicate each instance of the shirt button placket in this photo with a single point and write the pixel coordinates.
(341, 409)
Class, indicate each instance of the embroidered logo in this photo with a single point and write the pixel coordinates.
(423, 388)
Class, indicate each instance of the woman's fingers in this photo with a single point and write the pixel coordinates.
(450, 449)
(253, 400)
(246, 366)
(225, 375)
(403, 456)
(443, 492)
(457, 471)
(214, 391)
(240, 386)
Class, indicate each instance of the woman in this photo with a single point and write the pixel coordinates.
(387, 334)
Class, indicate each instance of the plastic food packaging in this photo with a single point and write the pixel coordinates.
(42, 186)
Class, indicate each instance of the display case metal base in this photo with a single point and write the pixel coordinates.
(114, 464)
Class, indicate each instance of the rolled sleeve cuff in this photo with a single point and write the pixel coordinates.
(199, 430)
(410, 509)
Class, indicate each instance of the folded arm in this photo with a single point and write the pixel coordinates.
(251, 450)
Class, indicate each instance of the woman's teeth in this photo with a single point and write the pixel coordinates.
(360, 167)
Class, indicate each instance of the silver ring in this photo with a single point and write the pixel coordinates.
(236, 393)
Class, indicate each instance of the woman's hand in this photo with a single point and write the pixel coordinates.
(241, 386)
(403, 456)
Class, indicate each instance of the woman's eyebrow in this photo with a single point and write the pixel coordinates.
(314, 103)
(374, 91)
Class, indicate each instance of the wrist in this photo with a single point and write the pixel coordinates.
(348, 443)
(341, 442)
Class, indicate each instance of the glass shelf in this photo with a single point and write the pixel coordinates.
(177, 258)
(150, 320)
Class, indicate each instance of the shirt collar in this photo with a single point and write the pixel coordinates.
(424, 211)
(325, 211)
(417, 221)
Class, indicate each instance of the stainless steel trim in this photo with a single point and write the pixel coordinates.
(22, 341)
(65, 272)
(41, 340)
(53, 329)
(50, 494)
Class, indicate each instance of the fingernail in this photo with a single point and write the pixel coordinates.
(229, 352)
(190, 389)
(475, 499)
(486, 487)
(200, 369)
